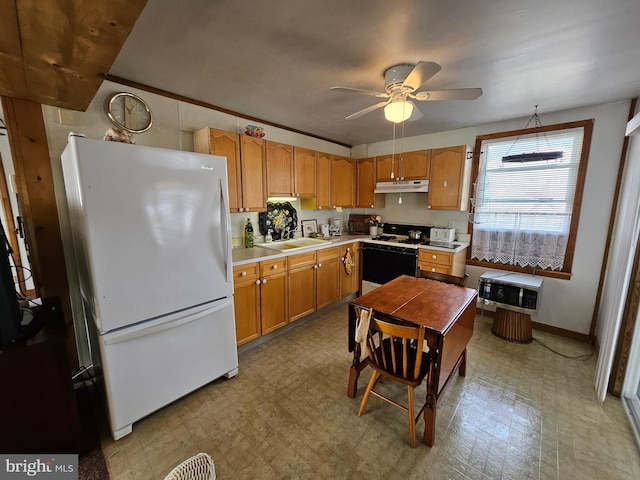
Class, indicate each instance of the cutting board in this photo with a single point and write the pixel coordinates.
(359, 224)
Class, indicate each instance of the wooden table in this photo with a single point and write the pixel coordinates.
(446, 311)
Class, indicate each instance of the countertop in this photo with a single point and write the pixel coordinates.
(243, 256)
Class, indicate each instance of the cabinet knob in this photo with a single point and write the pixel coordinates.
(444, 184)
(434, 256)
(258, 282)
(241, 209)
(319, 265)
(274, 267)
(246, 209)
(264, 280)
(315, 266)
(243, 274)
(428, 207)
(433, 269)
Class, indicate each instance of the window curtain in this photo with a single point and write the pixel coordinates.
(521, 211)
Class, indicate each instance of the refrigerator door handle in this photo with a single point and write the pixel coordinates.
(127, 334)
(226, 217)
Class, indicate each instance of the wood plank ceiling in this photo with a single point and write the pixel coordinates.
(55, 52)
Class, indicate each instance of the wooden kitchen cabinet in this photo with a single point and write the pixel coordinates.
(246, 302)
(245, 166)
(449, 178)
(327, 277)
(225, 144)
(322, 199)
(350, 283)
(302, 285)
(254, 185)
(343, 182)
(323, 174)
(442, 262)
(260, 298)
(279, 161)
(273, 294)
(405, 166)
(304, 172)
(366, 174)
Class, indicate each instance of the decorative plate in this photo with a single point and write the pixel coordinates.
(281, 218)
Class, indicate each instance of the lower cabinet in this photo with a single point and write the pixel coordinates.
(270, 294)
(442, 262)
(313, 281)
(350, 282)
(260, 298)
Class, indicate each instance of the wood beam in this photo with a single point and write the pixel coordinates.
(56, 53)
(34, 178)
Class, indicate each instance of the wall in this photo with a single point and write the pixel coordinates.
(566, 304)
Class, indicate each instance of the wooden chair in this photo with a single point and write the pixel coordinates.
(392, 355)
(444, 277)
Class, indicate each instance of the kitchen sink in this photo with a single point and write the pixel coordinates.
(293, 244)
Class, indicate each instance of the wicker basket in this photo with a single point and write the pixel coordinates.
(198, 467)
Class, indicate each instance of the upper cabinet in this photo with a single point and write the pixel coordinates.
(323, 181)
(365, 198)
(405, 166)
(291, 171)
(279, 169)
(304, 172)
(245, 170)
(449, 178)
(254, 185)
(343, 182)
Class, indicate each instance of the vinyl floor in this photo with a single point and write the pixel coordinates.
(522, 412)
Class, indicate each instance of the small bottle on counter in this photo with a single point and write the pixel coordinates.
(268, 238)
(248, 234)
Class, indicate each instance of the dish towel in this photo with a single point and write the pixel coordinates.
(347, 260)
(362, 329)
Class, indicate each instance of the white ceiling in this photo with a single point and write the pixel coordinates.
(275, 60)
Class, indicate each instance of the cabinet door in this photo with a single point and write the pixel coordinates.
(225, 144)
(350, 283)
(302, 291)
(254, 194)
(323, 181)
(273, 301)
(447, 178)
(343, 182)
(385, 166)
(304, 169)
(415, 165)
(279, 169)
(246, 301)
(366, 168)
(327, 277)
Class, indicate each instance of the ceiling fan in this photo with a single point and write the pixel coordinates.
(401, 82)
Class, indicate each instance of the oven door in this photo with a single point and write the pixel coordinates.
(381, 264)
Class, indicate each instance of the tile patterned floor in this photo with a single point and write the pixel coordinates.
(522, 412)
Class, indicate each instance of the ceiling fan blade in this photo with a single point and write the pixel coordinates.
(422, 72)
(453, 94)
(416, 114)
(361, 91)
(366, 110)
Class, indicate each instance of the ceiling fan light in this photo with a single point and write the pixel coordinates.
(398, 112)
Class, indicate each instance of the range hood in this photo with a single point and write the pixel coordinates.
(402, 186)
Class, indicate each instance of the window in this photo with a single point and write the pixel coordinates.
(524, 211)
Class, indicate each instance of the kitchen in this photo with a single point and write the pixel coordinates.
(568, 305)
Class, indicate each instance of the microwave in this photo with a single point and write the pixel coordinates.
(442, 234)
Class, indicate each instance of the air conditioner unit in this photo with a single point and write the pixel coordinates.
(511, 291)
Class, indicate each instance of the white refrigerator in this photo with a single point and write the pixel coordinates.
(151, 245)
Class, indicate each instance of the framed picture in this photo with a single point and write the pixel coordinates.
(309, 227)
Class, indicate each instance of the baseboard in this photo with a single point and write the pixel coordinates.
(581, 337)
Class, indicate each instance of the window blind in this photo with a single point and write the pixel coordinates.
(522, 210)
